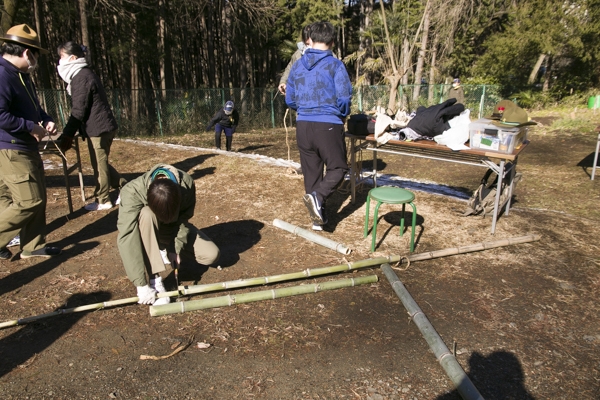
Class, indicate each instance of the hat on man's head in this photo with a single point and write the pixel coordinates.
(456, 80)
(501, 108)
(25, 36)
(514, 117)
(228, 107)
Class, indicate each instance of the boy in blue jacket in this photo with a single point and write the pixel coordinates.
(319, 89)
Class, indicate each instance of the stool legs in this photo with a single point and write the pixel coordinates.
(374, 233)
(366, 231)
(375, 218)
(414, 223)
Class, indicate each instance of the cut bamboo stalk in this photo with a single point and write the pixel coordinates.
(313, 237)
(213, 287)
(229, 300)
(457, 375)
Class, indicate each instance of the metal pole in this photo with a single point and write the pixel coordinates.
(158, 114)
(457, 375)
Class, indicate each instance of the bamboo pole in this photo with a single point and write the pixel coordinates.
(229, 300)
(213, 287)
(313, 237)
(457, 375)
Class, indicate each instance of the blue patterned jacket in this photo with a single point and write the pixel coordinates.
(319, 88)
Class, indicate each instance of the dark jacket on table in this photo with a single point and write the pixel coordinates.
(433, 121)
(227, 121)
(90, 113)
(20, 109)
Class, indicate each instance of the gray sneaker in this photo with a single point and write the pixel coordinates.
(5, 253)
(45, 252)
(314, 208)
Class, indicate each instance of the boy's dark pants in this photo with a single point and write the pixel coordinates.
(228, 136)
(321, 144)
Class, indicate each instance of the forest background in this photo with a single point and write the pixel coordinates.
(538, 52)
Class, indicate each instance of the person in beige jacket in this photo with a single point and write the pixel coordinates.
(302, 46)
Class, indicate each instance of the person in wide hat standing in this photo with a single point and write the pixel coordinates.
(23, 123)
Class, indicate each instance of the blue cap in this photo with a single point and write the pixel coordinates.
(228, 106)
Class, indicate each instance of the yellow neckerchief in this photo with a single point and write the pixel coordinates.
(27, 90)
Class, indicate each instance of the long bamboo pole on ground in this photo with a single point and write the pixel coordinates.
(213, 287)
(457, 375)
(311, 236)
(230, 300)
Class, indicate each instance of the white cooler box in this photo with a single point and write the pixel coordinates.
(485, 136)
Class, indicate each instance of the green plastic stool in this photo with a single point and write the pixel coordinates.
(391, 195)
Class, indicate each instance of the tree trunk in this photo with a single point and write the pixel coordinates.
(44, 73)
(8, 15)
(133, 61)
(535, 69)
(85, 33)
(421, 57)
(547, 75)
(432, 70)
(393, 75)
(161, 47)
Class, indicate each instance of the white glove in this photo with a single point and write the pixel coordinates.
(157, 284)
(146, 295)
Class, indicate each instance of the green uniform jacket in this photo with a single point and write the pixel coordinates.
(133, 199)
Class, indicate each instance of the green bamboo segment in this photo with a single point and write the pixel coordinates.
(95, 306)
(472, 248)
(307, 273)
(229, 300)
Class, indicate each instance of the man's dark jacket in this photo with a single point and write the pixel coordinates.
(433, 121)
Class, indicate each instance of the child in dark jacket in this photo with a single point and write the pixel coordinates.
(226, 119)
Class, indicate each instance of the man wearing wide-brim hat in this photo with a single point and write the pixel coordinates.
(23, 123)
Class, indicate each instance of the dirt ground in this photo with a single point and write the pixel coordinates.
(522, 318)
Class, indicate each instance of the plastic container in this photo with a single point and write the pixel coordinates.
(594, 102)
(485, 136)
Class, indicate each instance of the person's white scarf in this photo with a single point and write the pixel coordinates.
(69, 69)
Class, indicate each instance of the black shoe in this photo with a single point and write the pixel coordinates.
(45, 252)
(5, 253)
(314, 208)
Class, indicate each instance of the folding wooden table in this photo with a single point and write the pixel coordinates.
(501, 163)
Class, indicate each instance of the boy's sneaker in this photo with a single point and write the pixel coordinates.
(5, 253)
(15, 241)
(118, 200)
(98, 207)
(317, 227)
(314, 208)
(45, 252)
